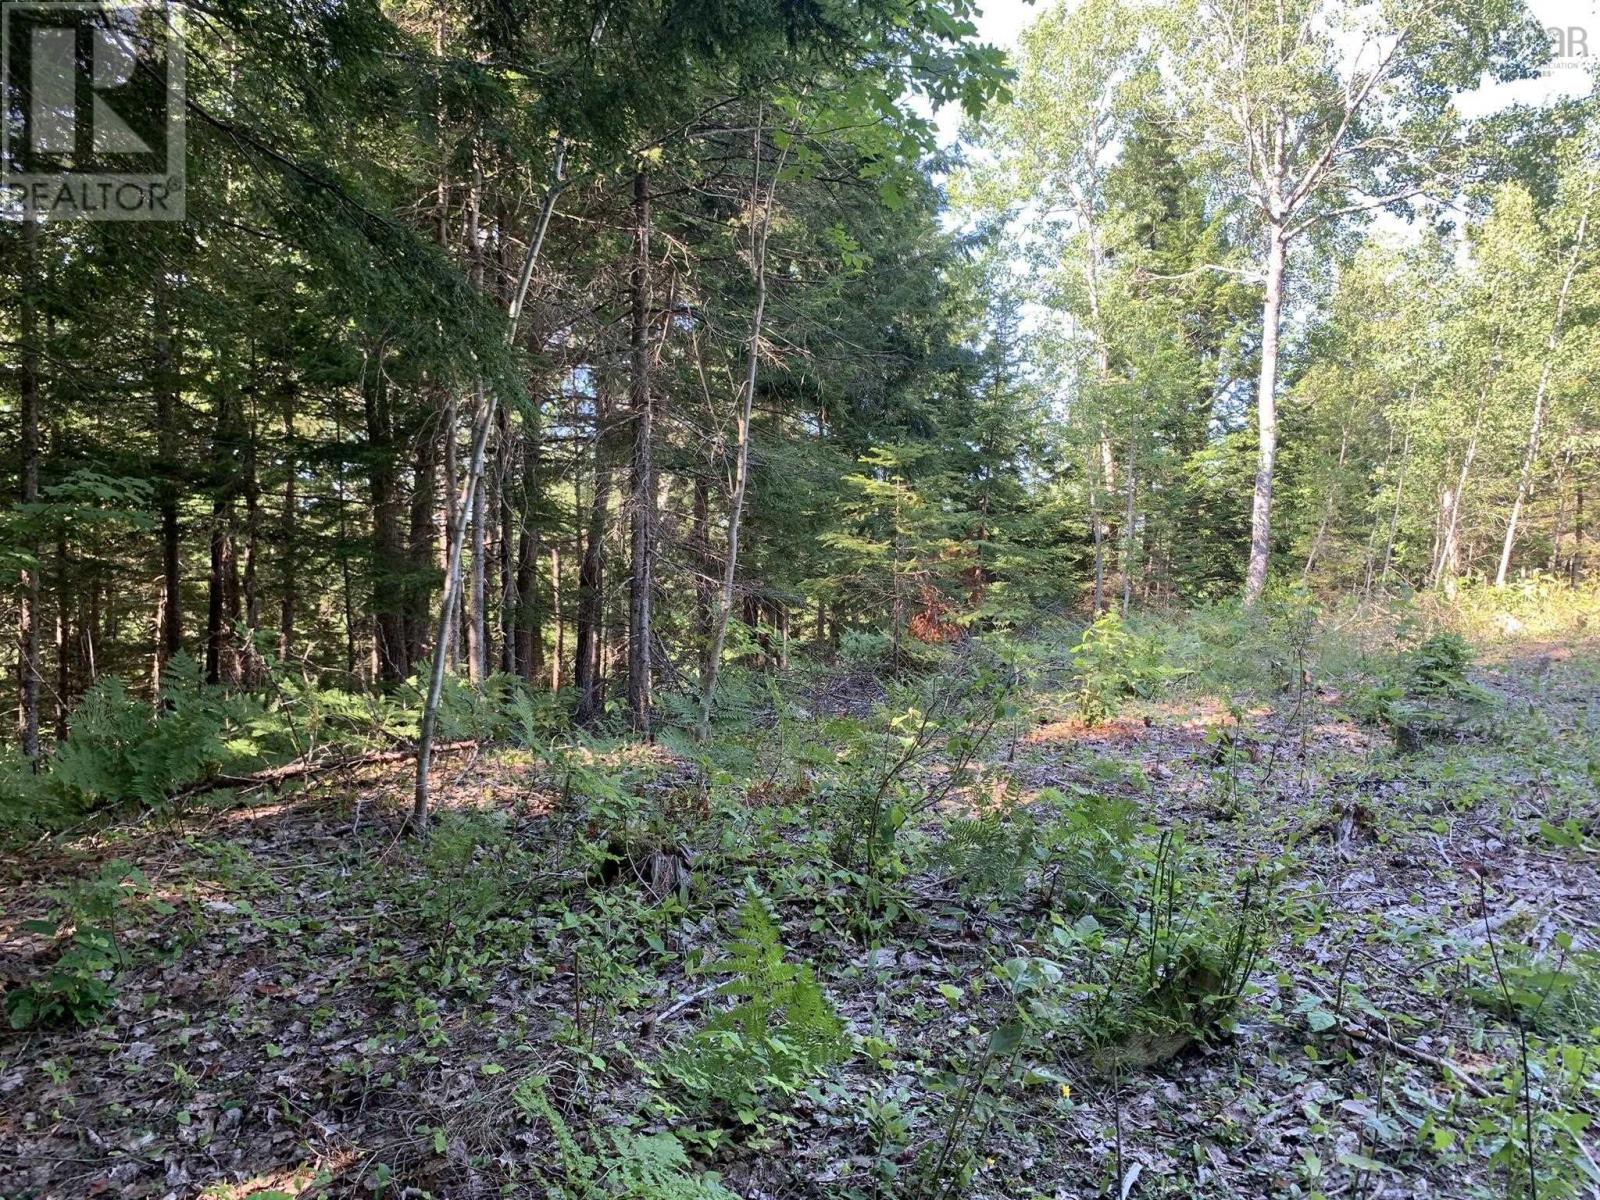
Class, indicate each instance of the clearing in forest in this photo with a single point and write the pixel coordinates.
(1300, 907)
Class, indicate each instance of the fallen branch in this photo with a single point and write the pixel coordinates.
(274, 776)
(1366, 1033)
(673, 1010)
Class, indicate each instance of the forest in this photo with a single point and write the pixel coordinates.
(772, 599)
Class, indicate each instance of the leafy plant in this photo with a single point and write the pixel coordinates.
(630, 1166)
(1438, 667)
(78, 985)
(120, 748)
(1077, 849)
(1164, 972)
(781, 1032)
(1113, 664)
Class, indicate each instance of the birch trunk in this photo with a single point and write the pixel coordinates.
(1266, 415)
(1540, 399)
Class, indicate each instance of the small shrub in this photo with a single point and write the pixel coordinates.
(120, 748)
(1167, 971)
(1438, 667)
(79, 985)
(779, 1035)
(1112, 665)
(1078, 850)
(864, 649)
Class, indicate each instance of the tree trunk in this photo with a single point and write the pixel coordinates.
(222, 600)
(452, 486)
(251, 667)
(529, 629)
(1128, 520)
(1266, 415)
(288, 531)
(1097, 531)
(388, 556)
(418, 820)
(642, 501)
(509, 605)
(559, 658)
(28, 493)
(588, 665)
(165, 383)
(63, 600)
(760, 231)
(477, 623)
(420, 539)
(1536, 425)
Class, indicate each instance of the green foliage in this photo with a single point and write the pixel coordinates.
(1169, 968)
(633, 1167)
(466, 900)
(1438, 667)
(778, 1035)
(880, 779)
(864, 648)
(1112, 664)
(120, 748)
(1076, 849)
(1427, 691)
(79, 985)
(1556, 993)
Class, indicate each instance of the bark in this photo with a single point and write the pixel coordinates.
(559, 658)
(642, 502)
(63, 600)
(1266, 415)
(420, 539)
(477, 624)
(529, 630)
(388, 555)
(28, 493)
(418, 820)
(588, 665)
(222, 598)
(1128, 521)
(288, 531)
(452, 486)
(508, 549)
(760, 231)
(251, 668)
(165, 382)
(1530, 454)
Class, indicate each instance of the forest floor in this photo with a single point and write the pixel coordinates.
(309, 1002)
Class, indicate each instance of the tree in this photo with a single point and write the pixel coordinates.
(1304, 133)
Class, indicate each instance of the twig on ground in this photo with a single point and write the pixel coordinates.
(1365, 1033)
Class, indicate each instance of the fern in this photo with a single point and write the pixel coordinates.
(639, 1167)
(120, 748)
(782, 1032)
(654, 1167)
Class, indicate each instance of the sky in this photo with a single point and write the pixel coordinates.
(1001, 21)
